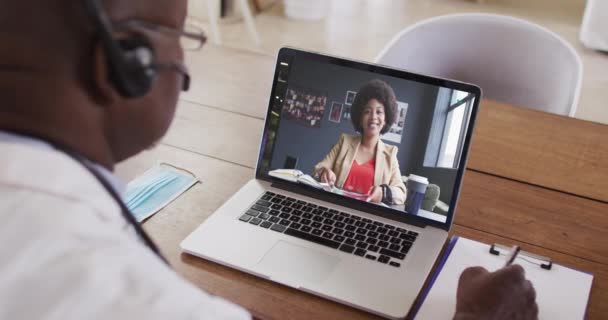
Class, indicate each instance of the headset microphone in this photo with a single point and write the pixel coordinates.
(131, 60)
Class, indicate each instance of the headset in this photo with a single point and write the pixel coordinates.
(131, 61)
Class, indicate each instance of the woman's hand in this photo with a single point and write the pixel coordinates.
(328, 176)
(375, 194)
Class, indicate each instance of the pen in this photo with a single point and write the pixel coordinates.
(512, 255)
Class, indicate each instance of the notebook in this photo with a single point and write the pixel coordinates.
(562, 293)
(298, 176)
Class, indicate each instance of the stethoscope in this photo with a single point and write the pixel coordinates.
(126, 213)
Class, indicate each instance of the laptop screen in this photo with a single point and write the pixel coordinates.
(368, 137)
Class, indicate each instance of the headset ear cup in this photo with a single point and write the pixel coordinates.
(131, 70)
(139, 59)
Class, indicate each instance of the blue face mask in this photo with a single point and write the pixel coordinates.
(155, 189)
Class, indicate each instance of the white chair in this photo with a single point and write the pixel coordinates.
(594, 29)
(512, 60)
(213, 9)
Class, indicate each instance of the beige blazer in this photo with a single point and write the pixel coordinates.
(341, 156)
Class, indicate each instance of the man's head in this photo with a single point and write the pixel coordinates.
(58, 76)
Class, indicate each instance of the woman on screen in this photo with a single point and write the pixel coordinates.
(363, 163)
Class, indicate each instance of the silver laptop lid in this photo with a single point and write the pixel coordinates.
(322, 107)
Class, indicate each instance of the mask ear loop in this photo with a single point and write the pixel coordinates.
(181, 169)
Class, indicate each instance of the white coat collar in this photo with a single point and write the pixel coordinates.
(118, 185)
(51, 172)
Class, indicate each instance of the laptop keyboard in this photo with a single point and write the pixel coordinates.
(342, 231)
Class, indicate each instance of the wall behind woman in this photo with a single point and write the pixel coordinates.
(310, 145)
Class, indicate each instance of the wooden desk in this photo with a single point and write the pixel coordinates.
(534, 179)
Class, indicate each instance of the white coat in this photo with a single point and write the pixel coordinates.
(66, 252)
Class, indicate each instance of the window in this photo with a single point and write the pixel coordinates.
(457, 120)
(450, 121)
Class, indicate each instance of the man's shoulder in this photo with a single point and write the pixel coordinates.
(47, 171)
(39, 213)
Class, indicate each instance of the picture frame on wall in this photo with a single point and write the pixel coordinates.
(346, 112)
(304, 106)
(335, 114)
(350, 97)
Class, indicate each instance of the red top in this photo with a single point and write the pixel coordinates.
(361, 176)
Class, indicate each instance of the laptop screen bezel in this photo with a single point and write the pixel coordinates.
(389, 213)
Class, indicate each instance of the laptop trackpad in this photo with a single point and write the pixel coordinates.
(294, 265)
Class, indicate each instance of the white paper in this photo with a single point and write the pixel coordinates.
(561, 293)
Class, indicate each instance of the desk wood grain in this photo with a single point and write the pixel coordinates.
(556, 152)
(216, 133)
(230, 79)
(534, 215)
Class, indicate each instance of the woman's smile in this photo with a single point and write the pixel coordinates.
(372, 120)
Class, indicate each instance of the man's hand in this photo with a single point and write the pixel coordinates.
(504, 294)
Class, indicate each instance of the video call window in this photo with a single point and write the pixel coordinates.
(323, 114)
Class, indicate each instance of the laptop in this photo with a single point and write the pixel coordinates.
(290, 226)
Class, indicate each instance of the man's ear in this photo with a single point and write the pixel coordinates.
(106, 91)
